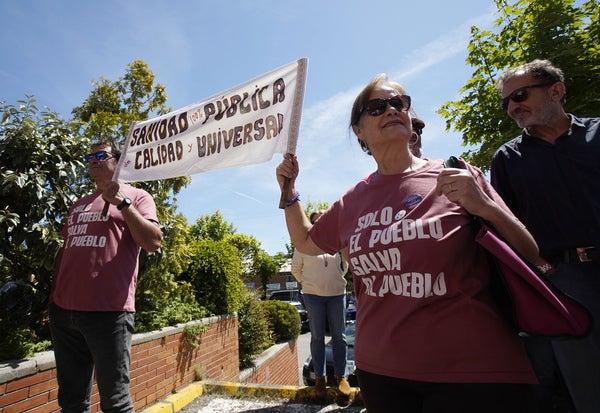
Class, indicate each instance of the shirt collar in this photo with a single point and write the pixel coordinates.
(575, 123)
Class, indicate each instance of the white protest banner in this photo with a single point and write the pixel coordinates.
(244, 125)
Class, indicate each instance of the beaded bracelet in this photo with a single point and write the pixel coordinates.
(293, 200)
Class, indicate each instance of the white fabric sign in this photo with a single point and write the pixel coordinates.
(241, 126)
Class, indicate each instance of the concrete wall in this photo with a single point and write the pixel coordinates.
(162, 362)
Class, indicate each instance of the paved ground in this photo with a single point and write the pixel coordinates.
(227, 397)
(221, 404)
(303, 352)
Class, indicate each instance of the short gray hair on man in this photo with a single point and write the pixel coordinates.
(539, 68)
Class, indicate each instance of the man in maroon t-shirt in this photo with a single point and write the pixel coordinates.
(92, 303)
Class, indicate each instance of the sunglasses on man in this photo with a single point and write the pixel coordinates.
(377, 107)
(100, 155)
(520, 94)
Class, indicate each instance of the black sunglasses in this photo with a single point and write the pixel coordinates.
(100, 155)
(376, 107)
(520, 94)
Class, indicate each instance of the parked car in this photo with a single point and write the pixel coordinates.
(308, 371)
(286, 295)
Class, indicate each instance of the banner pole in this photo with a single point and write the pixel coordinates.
(121, 159)
(295, 120)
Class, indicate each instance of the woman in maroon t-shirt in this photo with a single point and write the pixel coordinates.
(428, 336)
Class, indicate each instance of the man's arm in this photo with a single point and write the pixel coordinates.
(145, 233)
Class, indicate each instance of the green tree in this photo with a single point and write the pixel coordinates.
(266, 265)
(40, 168)
(162, 297)
(256, 262)
(557, 30)
(112, 106)
(311, 207)
(212, 226)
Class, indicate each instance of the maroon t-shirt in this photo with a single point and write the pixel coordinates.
(99, 262)
(424, 311)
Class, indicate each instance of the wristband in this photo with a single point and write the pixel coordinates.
(293, 200)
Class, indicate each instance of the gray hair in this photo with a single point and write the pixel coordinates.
(539, 68)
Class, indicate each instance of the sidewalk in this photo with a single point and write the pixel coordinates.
(209, 396)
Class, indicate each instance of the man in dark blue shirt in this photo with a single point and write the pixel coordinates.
(550, 178)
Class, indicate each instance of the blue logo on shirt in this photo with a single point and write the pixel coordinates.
(412, 201)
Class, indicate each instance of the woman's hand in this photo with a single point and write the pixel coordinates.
(288, 170)
(112, 194)
(459, 186)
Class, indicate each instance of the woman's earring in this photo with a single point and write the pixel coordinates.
(364, 146)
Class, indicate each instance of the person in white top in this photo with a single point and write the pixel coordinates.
(324, 292)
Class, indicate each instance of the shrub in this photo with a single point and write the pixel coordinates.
(284, 319)
(17, 340)
(254, 335)
(21, 344)
(215, 274)
(167, 314)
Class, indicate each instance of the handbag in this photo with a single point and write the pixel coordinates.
(531, 304)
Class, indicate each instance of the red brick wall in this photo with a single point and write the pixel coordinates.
(276, 366)
(161, 365)
(36, 393)
(161, 362)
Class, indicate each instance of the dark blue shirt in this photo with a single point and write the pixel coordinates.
(554, 189)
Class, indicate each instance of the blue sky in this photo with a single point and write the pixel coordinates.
(55, 49)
